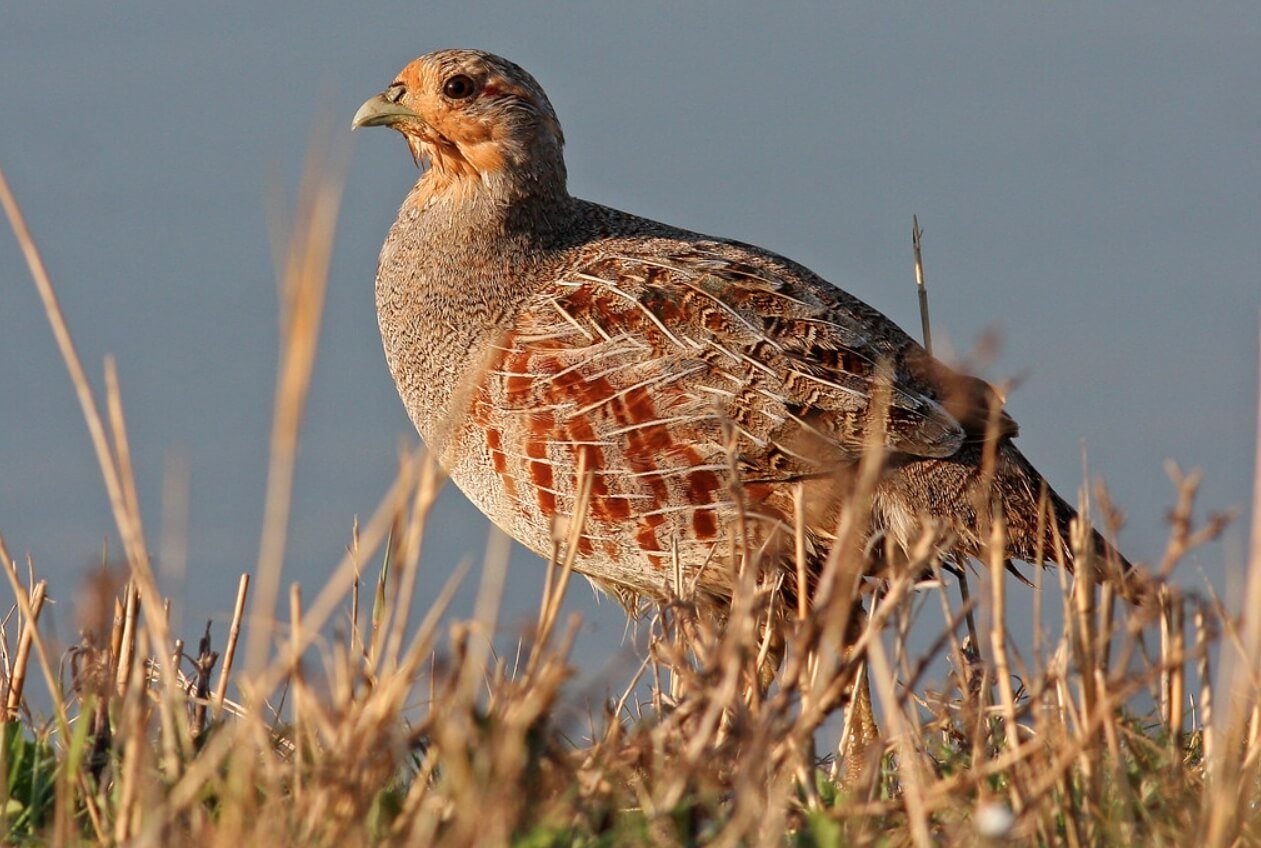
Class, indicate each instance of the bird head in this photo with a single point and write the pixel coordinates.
(471, 114)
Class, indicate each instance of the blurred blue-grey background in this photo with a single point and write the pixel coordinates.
(1088, 178)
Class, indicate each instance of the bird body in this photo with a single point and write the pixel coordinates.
(702, 383)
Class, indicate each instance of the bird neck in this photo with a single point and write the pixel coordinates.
(497, 220)
(503, 183)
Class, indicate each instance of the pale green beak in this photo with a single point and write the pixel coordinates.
(380, 111)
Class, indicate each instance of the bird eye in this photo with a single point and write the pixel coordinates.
(459, 87)
(395, 92)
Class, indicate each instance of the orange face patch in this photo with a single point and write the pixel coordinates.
(458, 141)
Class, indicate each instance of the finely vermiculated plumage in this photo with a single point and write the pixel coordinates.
(531, 333)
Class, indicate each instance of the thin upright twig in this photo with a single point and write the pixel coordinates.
(917, 243)
(916, 236)
(229, 652)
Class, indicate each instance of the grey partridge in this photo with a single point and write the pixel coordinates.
(532, 334)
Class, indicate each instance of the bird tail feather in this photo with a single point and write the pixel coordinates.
(1026, 495)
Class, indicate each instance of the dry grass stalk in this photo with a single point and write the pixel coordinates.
(127, 639)
(302, 287)
(234, 634)
(17, 678)
(1233, 769)
(23, 600)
